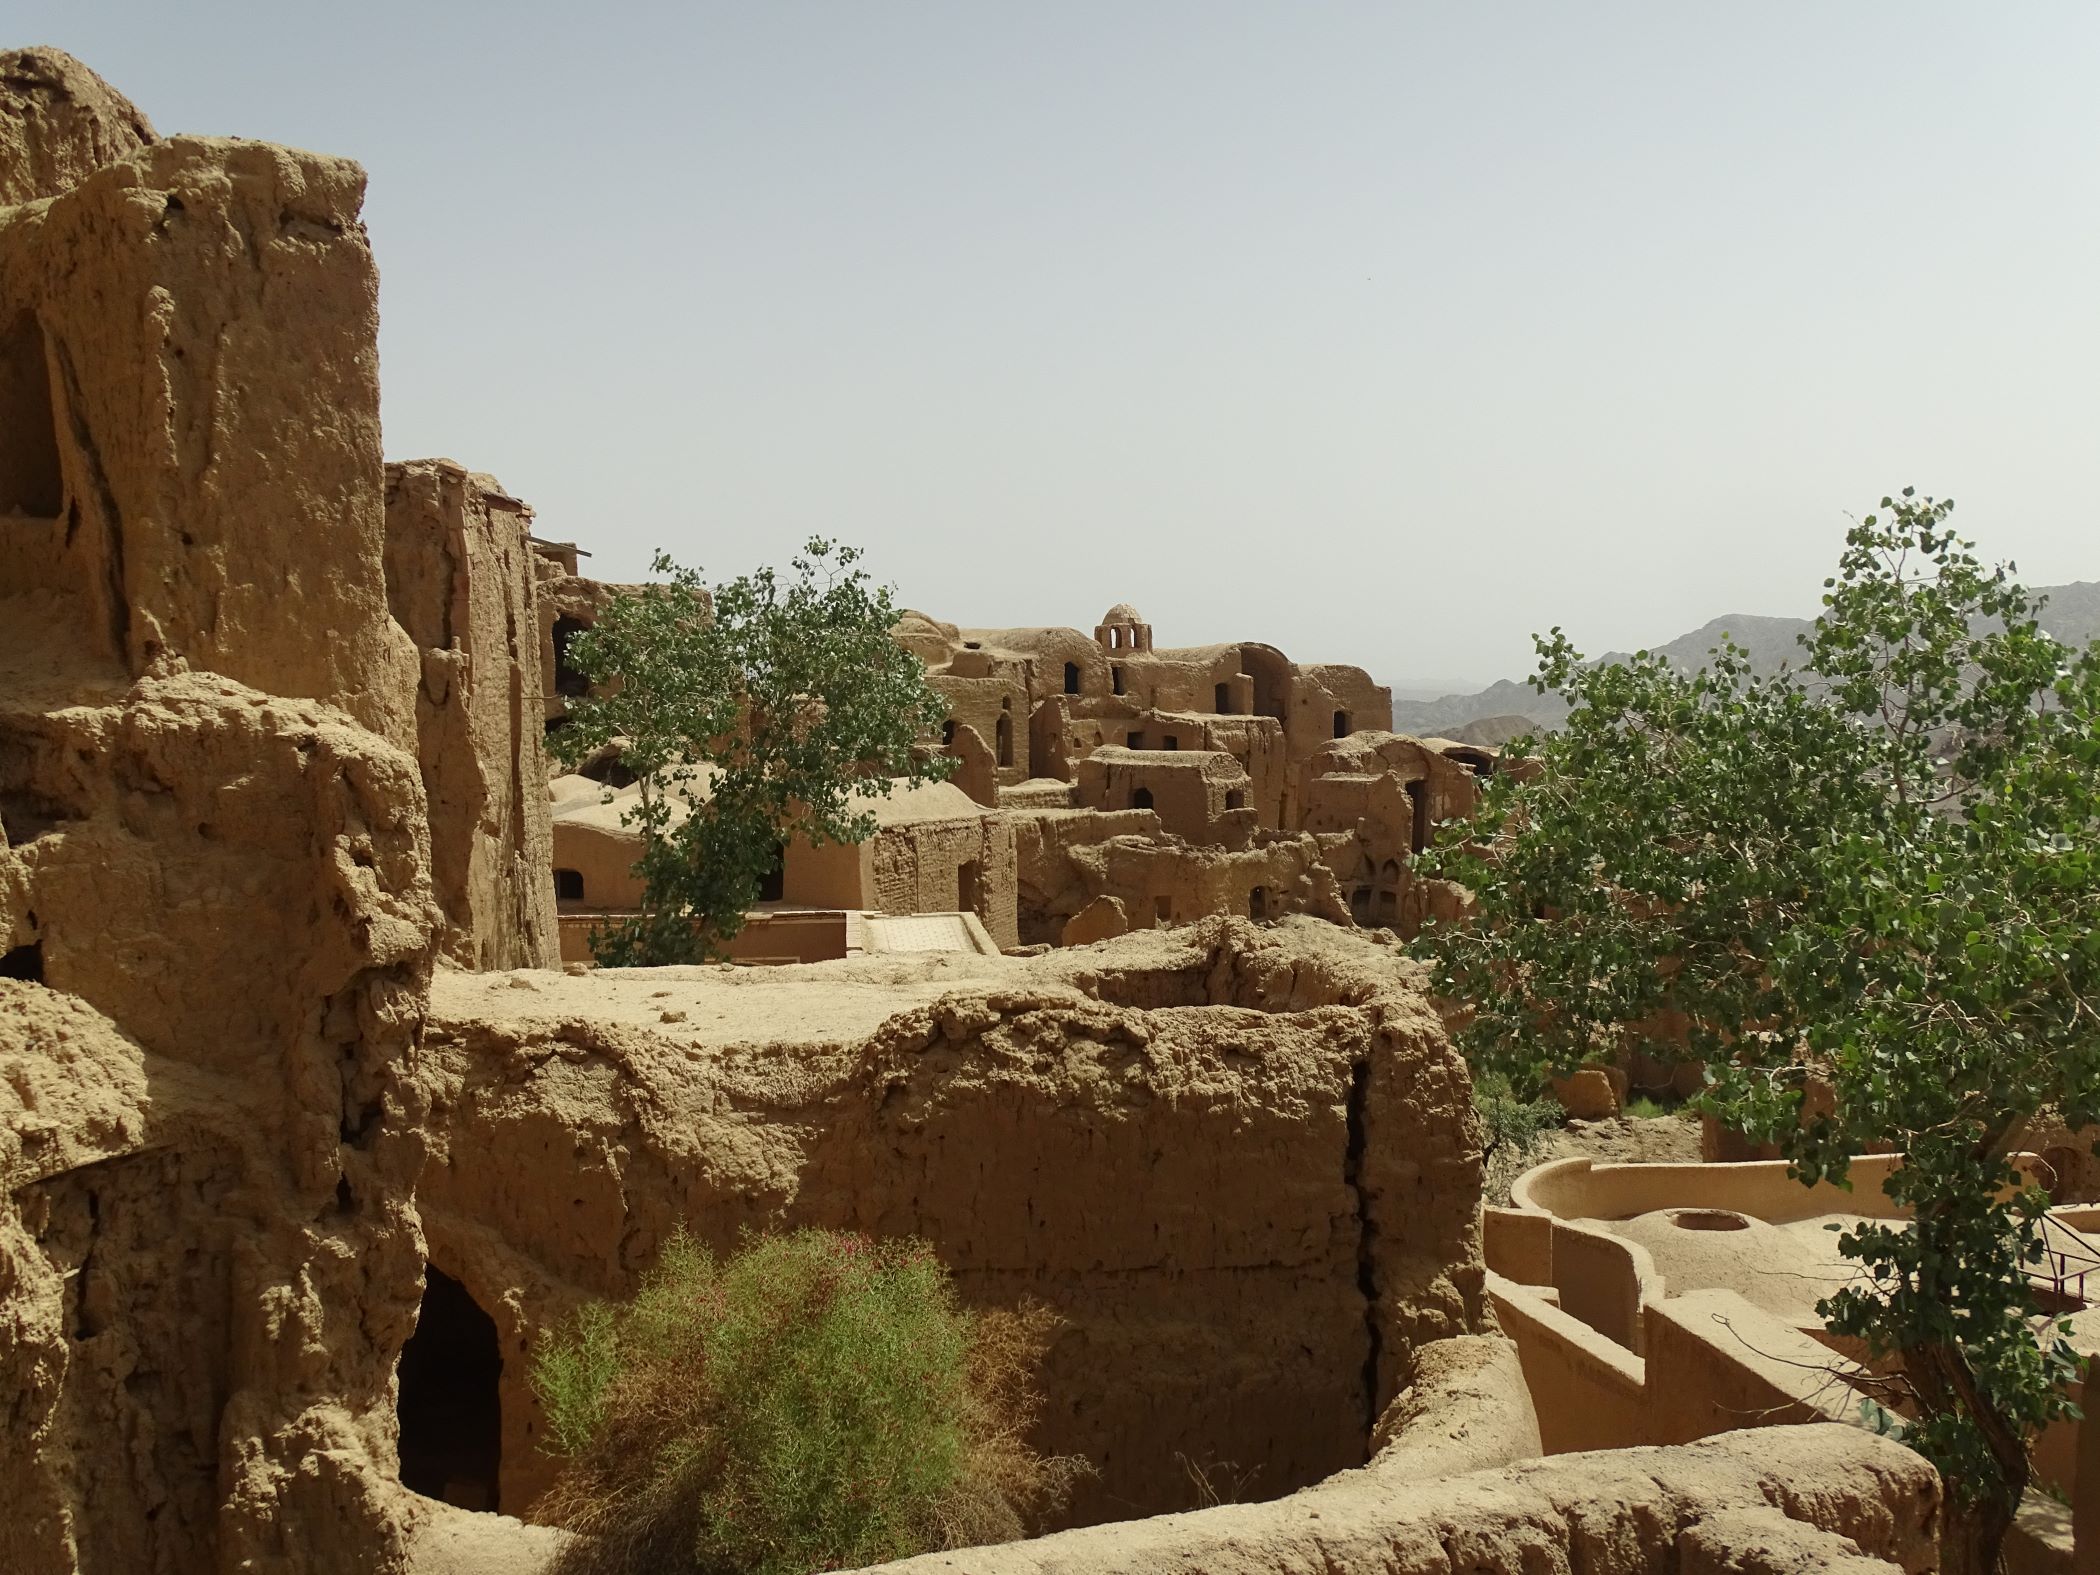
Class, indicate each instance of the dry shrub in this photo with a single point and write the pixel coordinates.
(812, 1401)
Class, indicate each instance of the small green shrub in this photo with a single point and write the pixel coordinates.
(1514, 1127)
(811, 1401)
(1645, 1107)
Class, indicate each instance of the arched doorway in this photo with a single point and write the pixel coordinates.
(568, 680)
(451, 1408)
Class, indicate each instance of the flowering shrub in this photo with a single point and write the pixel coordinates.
(812, 1401)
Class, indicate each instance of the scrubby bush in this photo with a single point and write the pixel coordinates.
(811, 1401)
(1513, 1127)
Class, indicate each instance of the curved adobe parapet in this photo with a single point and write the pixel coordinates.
(1580, 1188)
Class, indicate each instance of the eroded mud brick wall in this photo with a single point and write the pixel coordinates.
(460, 579)
(214, 901)
(169, 330)
(1246, 1182)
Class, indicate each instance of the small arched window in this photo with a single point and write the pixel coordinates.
(948, 731)
(1341, 724)
(1071, 678)
(1141, 798)
(1115, 676)
(1221, 701)
(568, 885)
(569, 681)
(1235, 799)
(1006, 738)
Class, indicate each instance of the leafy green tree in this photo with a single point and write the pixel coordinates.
(1869, 890)
(765, 710)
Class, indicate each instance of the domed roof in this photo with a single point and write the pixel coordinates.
(1121, 613)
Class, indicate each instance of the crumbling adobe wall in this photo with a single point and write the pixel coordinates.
(1242, 1165)
(168, 329)
(214, 1281)
(59, 123)
(1766, 1501)
(214, 901)
(460, 578)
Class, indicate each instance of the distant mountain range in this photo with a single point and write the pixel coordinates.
(1501, 711)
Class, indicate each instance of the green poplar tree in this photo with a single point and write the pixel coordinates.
(751, 714)
(1876, 876)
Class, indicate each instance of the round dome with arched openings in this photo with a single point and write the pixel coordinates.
(1123, 628)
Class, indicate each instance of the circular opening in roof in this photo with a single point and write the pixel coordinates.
(1708, 1219)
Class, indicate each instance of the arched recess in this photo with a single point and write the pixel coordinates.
(31, 477)
(568, 681)
(450, 1406)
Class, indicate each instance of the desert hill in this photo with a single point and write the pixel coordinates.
(2071, 613)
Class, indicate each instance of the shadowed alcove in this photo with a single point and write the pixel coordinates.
(451, 1413)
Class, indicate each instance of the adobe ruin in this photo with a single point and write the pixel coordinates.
(305, 1139)
(1104, 785)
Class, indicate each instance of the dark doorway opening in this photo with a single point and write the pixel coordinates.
(772, 886)
(1258, 903)
(451, 1408)
(1115, 678)
(568, 680)
(1006, 738)
(1221, 700)
(1389, 892)
(1341, 724)
(24, 962)
(1141, 798)
(1071, 678)
(31, 479)
(1418, 799)
(969, 888)
(568, 885)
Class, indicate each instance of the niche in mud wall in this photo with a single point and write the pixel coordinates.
(450, 1409)
(31, 481)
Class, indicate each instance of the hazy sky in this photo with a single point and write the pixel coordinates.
(1386, 333)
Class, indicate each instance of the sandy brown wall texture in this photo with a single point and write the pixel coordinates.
(460, 580)
(59, 123)
(169, 328)
(215, 908)
(1241, 1164)
(1774, 1501)
(226, 896)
